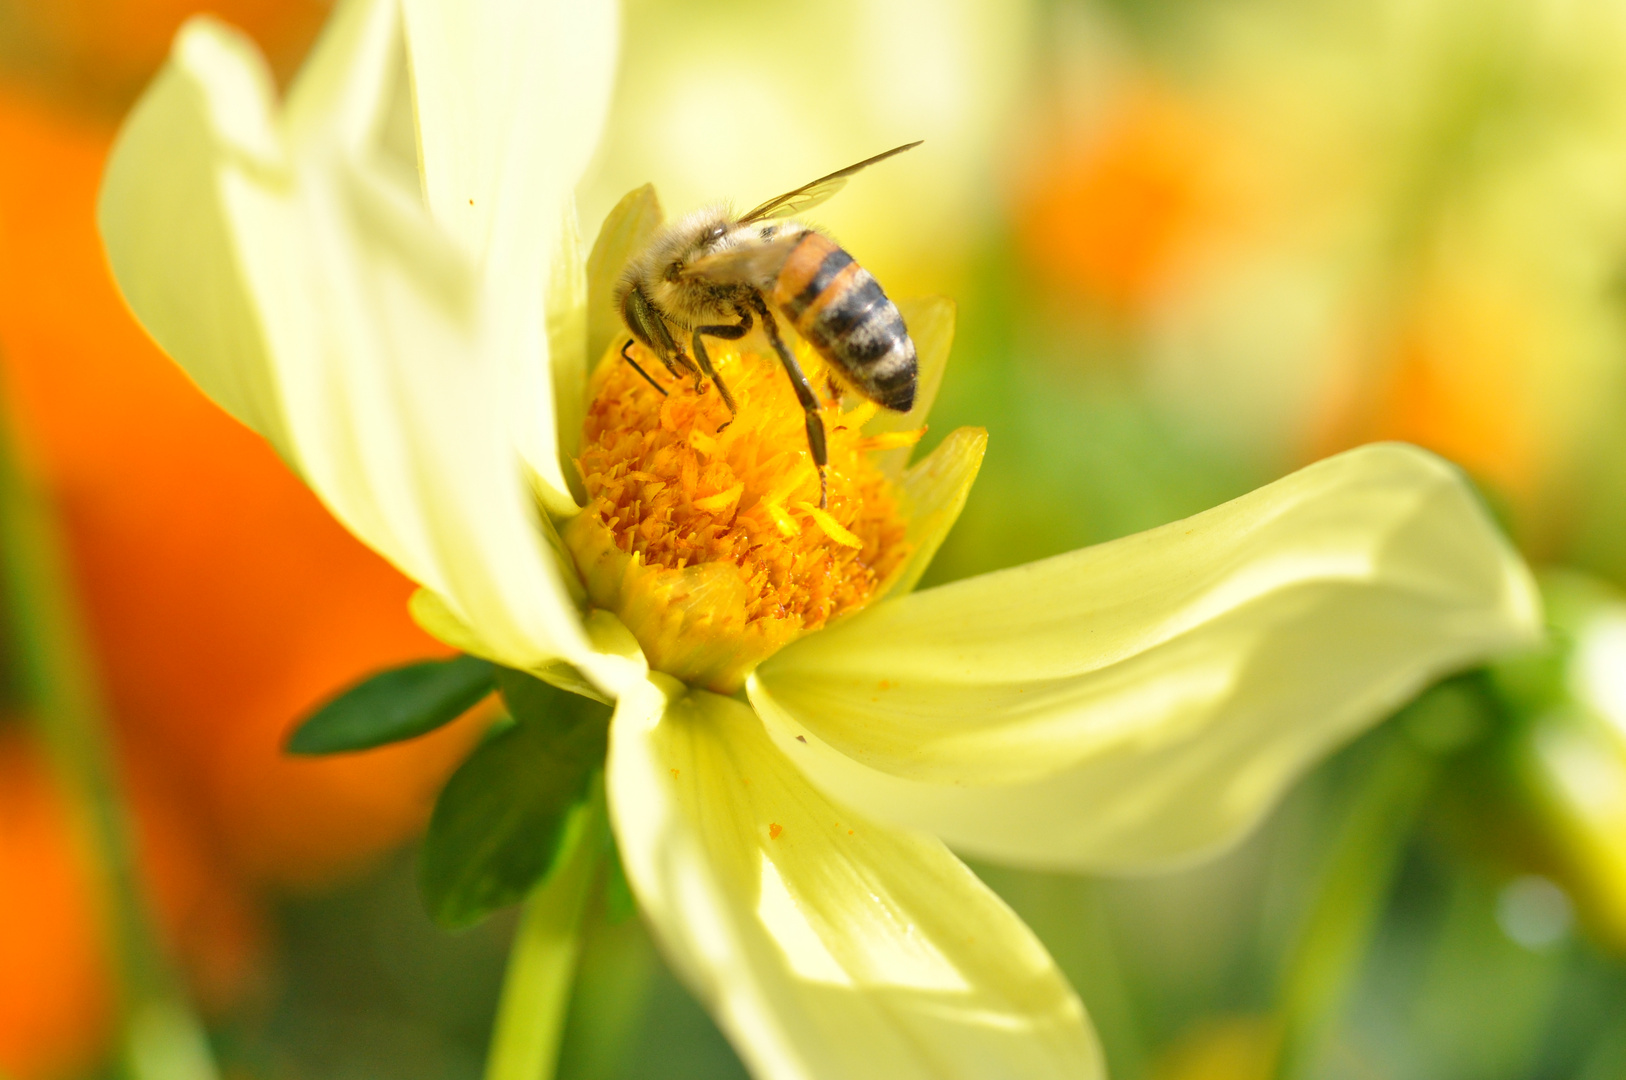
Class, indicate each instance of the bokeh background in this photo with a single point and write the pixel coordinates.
(1195, 244)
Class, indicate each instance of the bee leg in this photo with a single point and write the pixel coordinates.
(727, 332)
(704, 360)
(683, 366)
(804, 394)
(679, 364)
(658, 387)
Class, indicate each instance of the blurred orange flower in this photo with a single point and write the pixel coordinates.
(1108, 212)
(53, 993)
(101, 52)
(1366, 221)
(223, 601)
(1451, 376)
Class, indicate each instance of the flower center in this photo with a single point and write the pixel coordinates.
(705, 536)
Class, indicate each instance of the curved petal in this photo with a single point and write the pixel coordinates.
(290, 264)
(824, 945)
(567, 352)
(512, 96)
(935, 489)
(1142, 702)
(626, 229)
(164, 222)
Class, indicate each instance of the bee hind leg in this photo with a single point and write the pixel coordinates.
(804, 394)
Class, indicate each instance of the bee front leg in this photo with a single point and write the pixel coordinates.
(678, 363)
(804, 394)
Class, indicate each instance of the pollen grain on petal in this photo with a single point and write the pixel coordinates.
(703, 532)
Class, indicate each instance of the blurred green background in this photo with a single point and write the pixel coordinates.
(1195, 244)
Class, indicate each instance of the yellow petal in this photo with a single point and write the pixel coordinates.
(1145, 701)
(163, 217)
(934, 491)
(824, 945)
(614, 660)
(567, 356)
(930, 320)
(290, 265)
(511, 97)
(437, 619)
(626, 229)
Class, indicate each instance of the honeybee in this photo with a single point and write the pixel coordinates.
(712, 274)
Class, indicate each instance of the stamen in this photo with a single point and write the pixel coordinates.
(887, 440)
(832, 528)
(718, 501)
(786, 524)
(859, 416)
(690, 537)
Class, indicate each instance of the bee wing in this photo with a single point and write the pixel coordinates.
(751, 263)
(810, 195)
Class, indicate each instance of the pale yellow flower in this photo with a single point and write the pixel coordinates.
(1571, 752)
(381, 277)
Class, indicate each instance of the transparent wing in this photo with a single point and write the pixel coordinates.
(810, 195)
(753, 262)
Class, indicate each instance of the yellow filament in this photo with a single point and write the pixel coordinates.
(713, 503)
(832, 528)
(887, 440)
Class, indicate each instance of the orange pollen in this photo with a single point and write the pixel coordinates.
(703, 532)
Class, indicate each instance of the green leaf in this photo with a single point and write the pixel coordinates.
(401, 703)
(497, 826)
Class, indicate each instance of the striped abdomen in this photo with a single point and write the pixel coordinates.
(840, 309)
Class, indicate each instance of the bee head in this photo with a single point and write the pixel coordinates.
(701, 240)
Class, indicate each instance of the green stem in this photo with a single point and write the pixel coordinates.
(1101, 978)
(162, 1037)
(542, 961)
(1354, 889)
(612, 994)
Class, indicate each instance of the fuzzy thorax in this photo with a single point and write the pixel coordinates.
(707, 540)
